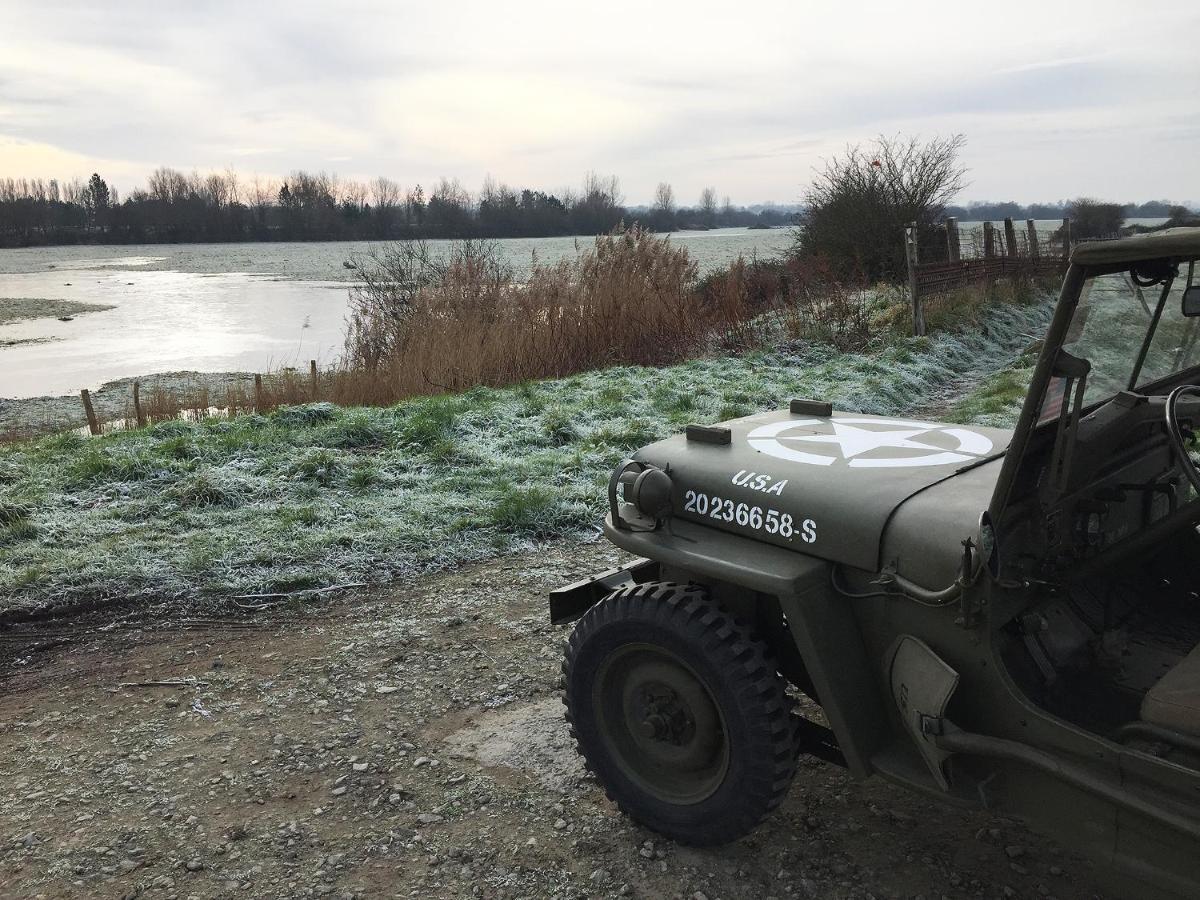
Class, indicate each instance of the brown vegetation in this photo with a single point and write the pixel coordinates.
(795, 297)
(420, 325)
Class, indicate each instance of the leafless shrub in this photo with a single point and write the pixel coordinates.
(859, 204)
(823, 307)
(1094, 219)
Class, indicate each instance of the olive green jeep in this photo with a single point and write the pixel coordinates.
(1005, 619)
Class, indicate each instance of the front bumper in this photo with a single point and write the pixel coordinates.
(570, 602)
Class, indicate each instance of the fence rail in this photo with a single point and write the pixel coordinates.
(933, 278)
(980, 256)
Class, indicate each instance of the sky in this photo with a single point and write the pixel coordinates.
(1056, 100)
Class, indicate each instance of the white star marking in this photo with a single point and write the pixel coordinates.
(854, 441)
(779, 439)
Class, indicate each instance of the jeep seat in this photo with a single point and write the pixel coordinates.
(1175, 701)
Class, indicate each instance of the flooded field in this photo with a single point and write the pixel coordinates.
(218, 307)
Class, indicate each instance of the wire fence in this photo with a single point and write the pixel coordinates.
(948, 257)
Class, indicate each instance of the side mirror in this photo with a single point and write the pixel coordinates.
(1191, 301)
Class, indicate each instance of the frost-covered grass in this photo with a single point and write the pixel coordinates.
(311, 496)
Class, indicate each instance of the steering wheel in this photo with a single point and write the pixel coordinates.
(1176, 436)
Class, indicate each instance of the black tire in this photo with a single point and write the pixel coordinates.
(680, 713)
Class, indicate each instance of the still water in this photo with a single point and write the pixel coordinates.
(224, 307)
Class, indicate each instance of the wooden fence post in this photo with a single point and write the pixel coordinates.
(258, 393)
(911, 255)
(93, 422)
(1035, 251)
(1010, 238)
(952, 246)
(989, 240)
(1066, 236)
(312, 371)
(139, 416)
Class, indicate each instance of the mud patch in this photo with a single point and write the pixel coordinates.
(20, 342)
(16, 309)
(526, 737)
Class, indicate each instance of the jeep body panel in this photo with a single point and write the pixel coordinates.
(837, 479)
(821, 622)
(923, 538)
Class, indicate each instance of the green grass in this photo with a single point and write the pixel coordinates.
(15, 524)
(192, 513)
(996, 402)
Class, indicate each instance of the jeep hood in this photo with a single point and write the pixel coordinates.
(832, 486)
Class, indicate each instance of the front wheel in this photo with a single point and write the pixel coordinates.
(680, 712)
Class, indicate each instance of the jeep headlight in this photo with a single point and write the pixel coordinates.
(639, 495)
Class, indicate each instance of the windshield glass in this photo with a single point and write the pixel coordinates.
(1110, 325)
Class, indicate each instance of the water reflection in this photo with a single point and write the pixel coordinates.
(225, 307)
(166, 322)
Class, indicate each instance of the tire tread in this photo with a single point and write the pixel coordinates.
(751, 671)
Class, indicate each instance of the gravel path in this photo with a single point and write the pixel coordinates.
(407, 743)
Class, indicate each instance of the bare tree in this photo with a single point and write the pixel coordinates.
(606, 189)
(233, 187)
(662, 211)
(355, 194)
(708, 206)
(171, 186)
(449, 208)
(664, 199)
(73, 192)
(385, 193)
(216, 192)
(860, 202)
(490, 190)
(260, 196)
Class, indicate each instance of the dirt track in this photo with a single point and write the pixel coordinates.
(408, 744)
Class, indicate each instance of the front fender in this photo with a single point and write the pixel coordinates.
(822, 622)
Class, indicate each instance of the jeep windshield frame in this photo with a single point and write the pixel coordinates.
(1120, 325)
(1090, 261)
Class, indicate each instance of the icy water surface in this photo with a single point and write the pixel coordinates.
(223, 307)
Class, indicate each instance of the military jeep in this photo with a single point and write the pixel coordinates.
(1005, 619)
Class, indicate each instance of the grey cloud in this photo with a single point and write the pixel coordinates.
(287, 86)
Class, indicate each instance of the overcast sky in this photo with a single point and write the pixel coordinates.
(1056, 99)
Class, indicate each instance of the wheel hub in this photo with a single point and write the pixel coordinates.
(662, 723)
(665, 716)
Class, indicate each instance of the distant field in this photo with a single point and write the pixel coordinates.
(192, 515)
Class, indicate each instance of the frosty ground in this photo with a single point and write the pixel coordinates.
(189, 712)
(193, 516)
(408, 742)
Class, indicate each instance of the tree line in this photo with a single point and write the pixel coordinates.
(995, 212)
(177, 207)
